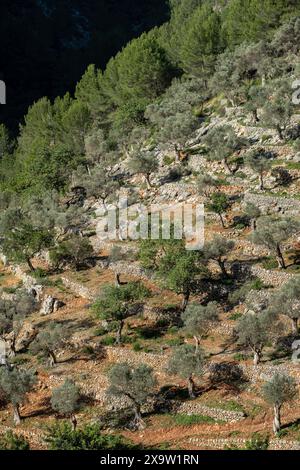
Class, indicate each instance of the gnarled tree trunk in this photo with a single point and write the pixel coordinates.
(256, 357)
(280, 258)
(295, 325)
(277, 419)
(138, 421)
(73, 422)
(17, 417)
(191, 387)
(117, 280)
(52, 359)
(119, 332)
(222, 267)
(185, 300)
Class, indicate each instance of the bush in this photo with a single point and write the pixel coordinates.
(257, 442)
(190, 420)
(62, 437)
(11, 441)
(270, 263)
(137, 347)
(73, 252)
(108, 341)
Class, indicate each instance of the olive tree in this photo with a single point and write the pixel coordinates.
(73, 252)
(279, 108)
(144, 163)
(218, 250)
(21, 240)
(180, 270)
(12, 315)
(186, 362)
(272, 232)
(117, 254)
(199, 319)
(116, 303)
(253, 212)
(15, 383)
(222, 142)
(49, 340)
(253, 332)
(206, 184)
(279, 390)
(219, 203)
(135, 384)
(287, 302)
(98, 183)
(173, 115)
(260, 161)
(65, 400)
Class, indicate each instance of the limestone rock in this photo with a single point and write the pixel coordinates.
(25, 337)
(50, 305)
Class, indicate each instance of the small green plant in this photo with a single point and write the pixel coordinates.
(190, 420)
(257, 442)
(137, 347)
(235, 316)
(63, 437)
(11, 441)
(270, 263)
(240, 357)
(168, 160)
(108, 341)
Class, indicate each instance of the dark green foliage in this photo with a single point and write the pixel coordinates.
(11, 441)
(201, 42)
(21, 239)
(63, 437)
(135, 77)
(72, 252)
(116, 303)
(258, 18)
(219, 203)
(6, 145)
(258, 442)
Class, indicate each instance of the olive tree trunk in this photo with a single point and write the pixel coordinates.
(191, 387)
(17, 416)
(119, 332)
(185, 300)
(280, 258)
(52, 359)
(277, 419)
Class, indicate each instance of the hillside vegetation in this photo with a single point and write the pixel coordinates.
(104, 338)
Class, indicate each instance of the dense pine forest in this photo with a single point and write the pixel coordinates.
(142, 343)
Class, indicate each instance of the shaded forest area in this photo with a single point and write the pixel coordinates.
(45, 45)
